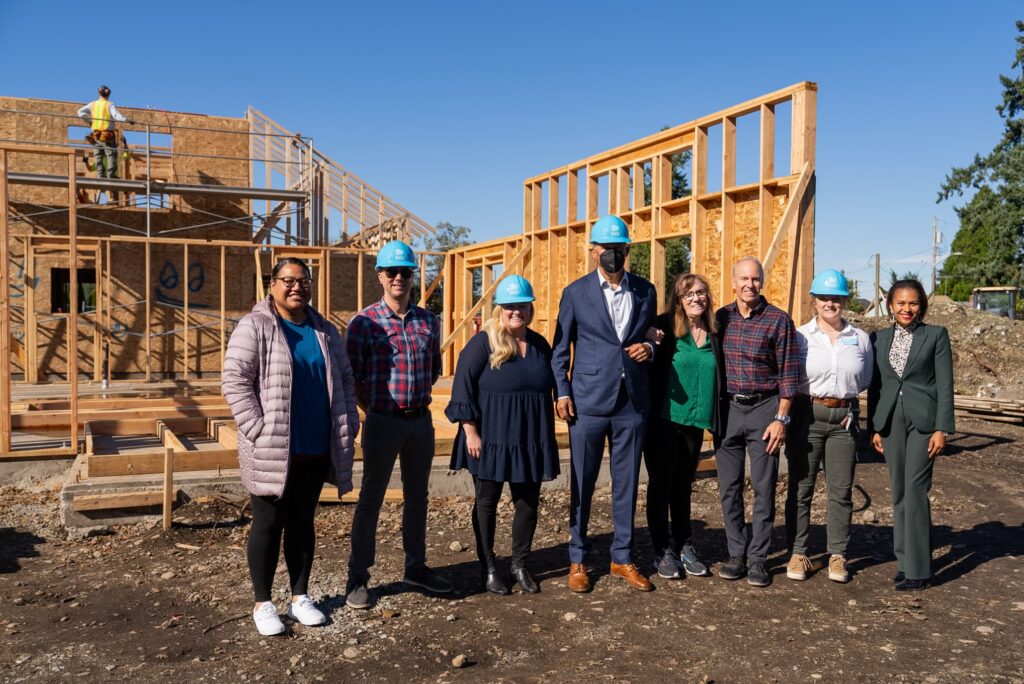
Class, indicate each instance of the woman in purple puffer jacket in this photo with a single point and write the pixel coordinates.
(289, 384)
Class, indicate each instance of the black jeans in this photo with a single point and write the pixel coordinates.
(525, 496)
(671, 455)
(292, 514)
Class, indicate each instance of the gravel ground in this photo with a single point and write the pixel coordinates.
(136, 604)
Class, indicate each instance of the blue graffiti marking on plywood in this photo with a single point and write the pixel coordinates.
(18, 282)
(168, 279)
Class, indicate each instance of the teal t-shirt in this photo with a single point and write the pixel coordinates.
(311, 406)
(691, 384)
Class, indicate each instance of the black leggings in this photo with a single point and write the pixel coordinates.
(671, 454)
(293, 515)
(526, 496)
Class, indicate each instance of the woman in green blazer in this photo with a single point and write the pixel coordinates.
(910, 412)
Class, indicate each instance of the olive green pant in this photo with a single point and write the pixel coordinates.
(910, 471)
(820, 442)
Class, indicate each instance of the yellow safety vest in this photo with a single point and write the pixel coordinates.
(101, 115)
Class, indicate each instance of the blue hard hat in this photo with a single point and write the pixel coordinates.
(513, 289)
(609, 230)
(394, 254)
(830, 282)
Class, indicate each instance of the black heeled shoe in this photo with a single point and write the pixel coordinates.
(899, 577)
(912, 585)
(525, 580)
(493, 582)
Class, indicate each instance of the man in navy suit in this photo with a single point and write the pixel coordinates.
(603, 319)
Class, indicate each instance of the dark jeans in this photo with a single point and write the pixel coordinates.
(292, 515)
(525, 496)
(819, 441)
(746, 425)
(671, 455)
(386, 438)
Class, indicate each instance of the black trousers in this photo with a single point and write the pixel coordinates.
(671, 455)
(292, 515)
(525, 496)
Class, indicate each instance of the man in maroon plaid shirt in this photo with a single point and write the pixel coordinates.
(762, 375)
(395, 351)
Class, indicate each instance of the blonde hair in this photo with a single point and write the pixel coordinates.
(681, 322)
(503, 346)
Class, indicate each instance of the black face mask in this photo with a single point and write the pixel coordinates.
(612, 260)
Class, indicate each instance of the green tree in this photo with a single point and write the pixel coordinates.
(989, 246)
(446, 236)
(907, 275)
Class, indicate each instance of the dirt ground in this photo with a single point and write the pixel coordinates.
(136, 604)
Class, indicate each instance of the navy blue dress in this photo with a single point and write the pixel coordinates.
(512, 408)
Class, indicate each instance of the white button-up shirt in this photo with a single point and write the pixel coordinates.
(839, 371)
(619, 301)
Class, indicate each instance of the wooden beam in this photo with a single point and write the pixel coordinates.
(168, 487)
(5, 313)
(261, 294)
(72, 355)
(105, 502)
(789, 216)
(223, 317)
(184, 317)
(728, 152)
(168, 438)
(31, 333)
(152, 463)
(41, 420)
(149, 313)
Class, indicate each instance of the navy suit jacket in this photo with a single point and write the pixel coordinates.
(599, 359)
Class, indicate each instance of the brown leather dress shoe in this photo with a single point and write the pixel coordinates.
(578, 579)
(632, 576)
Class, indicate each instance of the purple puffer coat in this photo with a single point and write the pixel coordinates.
(257, 383)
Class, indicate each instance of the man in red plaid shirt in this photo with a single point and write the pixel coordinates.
(762, 375)
(395, 351)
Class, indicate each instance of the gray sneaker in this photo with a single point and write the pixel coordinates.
(757, 575)
(357, 595)
(667, 566)
(692, 563)
(423, 577)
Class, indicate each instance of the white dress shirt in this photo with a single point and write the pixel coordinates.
(619, 301)
(838, 371)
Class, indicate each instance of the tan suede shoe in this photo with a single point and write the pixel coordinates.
(578, 579)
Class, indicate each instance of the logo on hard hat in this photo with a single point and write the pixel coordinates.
(513, 288)
(398, 253)
(831, 281)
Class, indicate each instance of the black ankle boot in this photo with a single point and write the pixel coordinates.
(525, 580)
(492, 580)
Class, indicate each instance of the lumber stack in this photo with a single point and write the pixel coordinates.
(990, 408)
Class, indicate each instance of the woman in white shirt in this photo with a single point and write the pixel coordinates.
(836, 367)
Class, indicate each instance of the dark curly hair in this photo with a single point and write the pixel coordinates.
(909, 284)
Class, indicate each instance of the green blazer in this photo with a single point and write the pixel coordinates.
(926, 385)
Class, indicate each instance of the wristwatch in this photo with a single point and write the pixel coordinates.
(785, 420)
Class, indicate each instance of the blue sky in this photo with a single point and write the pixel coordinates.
(447, 106)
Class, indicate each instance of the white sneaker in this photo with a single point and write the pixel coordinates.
(268, 623)
(306, 612)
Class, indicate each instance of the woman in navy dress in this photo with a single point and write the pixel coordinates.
(502, 399)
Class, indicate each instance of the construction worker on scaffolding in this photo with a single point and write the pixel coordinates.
(101, 114)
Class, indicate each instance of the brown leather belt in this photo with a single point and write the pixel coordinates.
(833, 403)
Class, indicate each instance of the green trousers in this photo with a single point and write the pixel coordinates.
(910, 471)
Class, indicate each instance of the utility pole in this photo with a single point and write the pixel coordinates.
(936, 239)
(877, 298)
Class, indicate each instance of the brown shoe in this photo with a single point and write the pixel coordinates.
(578, 579)
(632, 576)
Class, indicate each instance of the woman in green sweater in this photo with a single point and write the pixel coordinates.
(687, 383)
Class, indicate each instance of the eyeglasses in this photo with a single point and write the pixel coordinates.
(404, 271)
(289, 282)
(690, 296)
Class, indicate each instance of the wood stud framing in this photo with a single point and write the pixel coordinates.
(723, 225)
